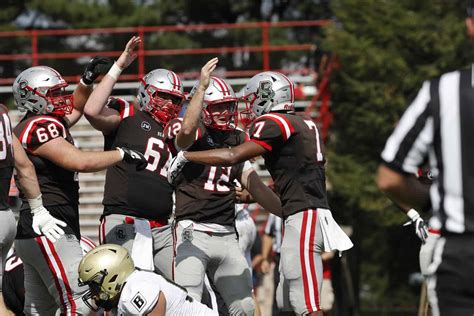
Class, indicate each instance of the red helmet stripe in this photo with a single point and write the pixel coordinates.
(176, 81)
(222, 84)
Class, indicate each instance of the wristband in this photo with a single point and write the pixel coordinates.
(413, 214)
(115, 71)
(35, 202)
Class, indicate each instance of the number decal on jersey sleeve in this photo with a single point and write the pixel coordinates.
(50, 132)
(174, 129)
(6, 139)
(212, 183)
(312, 125)
(153, 156)
(258, 129)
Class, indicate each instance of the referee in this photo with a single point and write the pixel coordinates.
(439, 127)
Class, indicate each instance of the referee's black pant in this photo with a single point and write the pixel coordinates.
(451, 287)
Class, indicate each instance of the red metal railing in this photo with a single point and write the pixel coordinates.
(265, 48)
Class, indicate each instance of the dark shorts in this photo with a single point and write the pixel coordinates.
(452, 285)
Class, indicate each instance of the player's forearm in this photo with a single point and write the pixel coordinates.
(81, 95)
(263, 195)
(404, 190)
(99, 97)
(96, 161)
(187, 134)
(267, 242)
(28, 181)
(26, 172)
(215, 157)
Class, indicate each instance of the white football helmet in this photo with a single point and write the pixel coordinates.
(104, 270)
(40, 90)
(218, 93)
(161, 94)
(268, 91)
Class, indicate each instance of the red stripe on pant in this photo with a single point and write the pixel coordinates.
(70, 301)
(303, 265)
(311, 259)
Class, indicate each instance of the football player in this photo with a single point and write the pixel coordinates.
(293, 151)
(51, 268)
(13, 281)
(205, 196)
(114, 283)
(132, 196)
(12, 156)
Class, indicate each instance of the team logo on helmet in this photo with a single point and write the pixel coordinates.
(265, 91)
(22, 90)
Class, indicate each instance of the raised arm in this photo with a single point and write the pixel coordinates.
(187, 134)
(101, 117)
(96, 66)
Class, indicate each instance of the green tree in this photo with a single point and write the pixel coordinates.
(386, 49)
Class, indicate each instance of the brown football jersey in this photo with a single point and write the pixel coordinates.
(58, 186)
(206, 194)
(295, 159)
(146, 194)
(6, 157)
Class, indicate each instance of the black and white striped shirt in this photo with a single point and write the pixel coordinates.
(273, 228)
(438, 127)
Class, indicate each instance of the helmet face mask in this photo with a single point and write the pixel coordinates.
(96, 297)
(161, 95)
(222, 115)
(41, 90)
(104, 270)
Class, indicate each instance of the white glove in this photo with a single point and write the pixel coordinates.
(43, 222)
(421, 229)
(177, 164)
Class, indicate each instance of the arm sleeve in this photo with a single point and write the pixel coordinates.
(407, 147)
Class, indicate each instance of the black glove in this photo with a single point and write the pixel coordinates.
(134, 157)
(95, 67)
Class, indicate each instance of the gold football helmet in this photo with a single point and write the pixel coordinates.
(104, 269)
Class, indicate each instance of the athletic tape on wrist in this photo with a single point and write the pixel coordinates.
(35, 202)
(115, 71)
